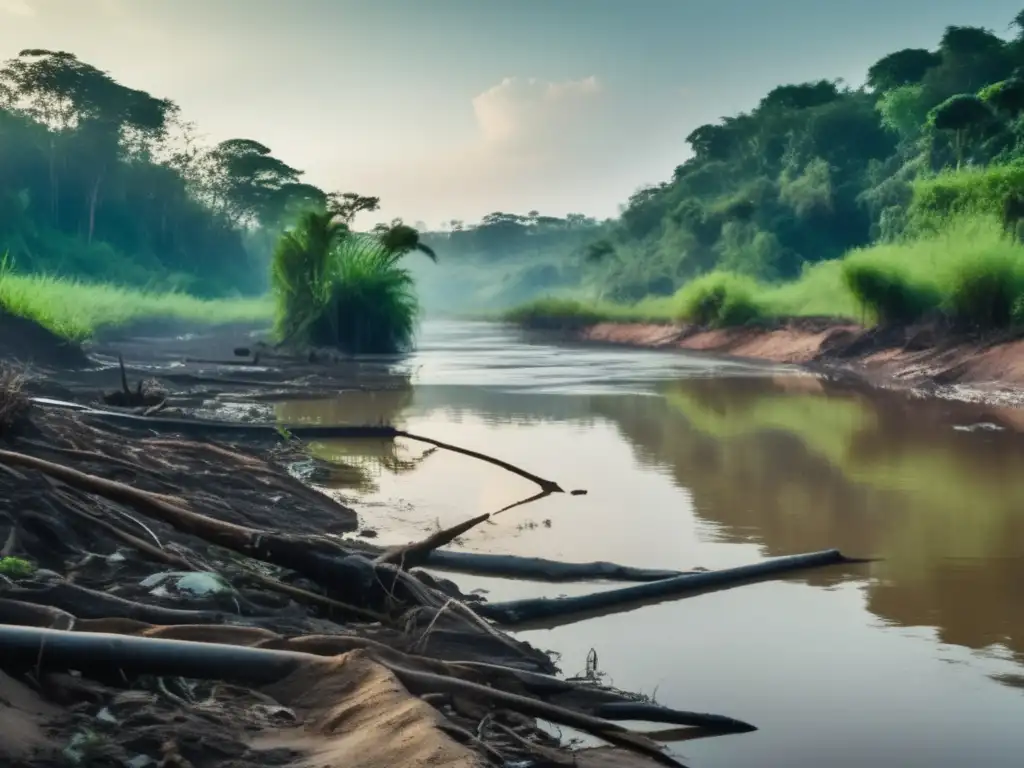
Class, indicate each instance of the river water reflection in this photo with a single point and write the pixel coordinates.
(917, 660)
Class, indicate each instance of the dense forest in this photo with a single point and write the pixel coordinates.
(101, 181)
(818, 168)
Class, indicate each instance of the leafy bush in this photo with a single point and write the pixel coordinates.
(555, 314)
(335, 287)
(719, 299)
(888, 293)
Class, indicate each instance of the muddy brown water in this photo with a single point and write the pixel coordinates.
(688, 461)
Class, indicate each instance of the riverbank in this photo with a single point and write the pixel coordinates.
(916, 356)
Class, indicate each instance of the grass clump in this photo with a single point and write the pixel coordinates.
(334, 287)
(970, 272)
(720, 299)
(887, 292)
(76, 310)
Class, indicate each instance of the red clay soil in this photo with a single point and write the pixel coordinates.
(917, 356)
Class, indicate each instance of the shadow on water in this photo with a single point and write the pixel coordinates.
(915, 660)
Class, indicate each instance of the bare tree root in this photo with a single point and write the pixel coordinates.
(126, 398)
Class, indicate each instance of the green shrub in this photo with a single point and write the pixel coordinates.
(334, 287)
(984, 293)
(887, 292)
(719, 299)
(940, 201)
(553, 313)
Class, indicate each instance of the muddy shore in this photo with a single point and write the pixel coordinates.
(149, 511)
(916, 356)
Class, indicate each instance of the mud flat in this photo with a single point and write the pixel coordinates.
(174, 590)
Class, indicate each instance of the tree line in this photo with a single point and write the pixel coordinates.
(818, 168)
(106, 182)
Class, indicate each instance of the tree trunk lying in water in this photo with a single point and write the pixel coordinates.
(564, 610)
(534, 568)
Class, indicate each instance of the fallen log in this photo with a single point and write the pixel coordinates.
(565, 610)
(537, 568)
(97, 655)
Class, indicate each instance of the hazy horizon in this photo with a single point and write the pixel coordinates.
(454, 108)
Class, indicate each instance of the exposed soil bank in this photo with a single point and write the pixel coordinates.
(915, 356)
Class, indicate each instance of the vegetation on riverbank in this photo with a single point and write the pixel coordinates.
(77, 310)
(896, 201)
(969, 273)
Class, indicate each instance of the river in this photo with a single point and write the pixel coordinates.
(916, 660)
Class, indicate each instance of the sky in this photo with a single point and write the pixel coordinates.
(452, 109)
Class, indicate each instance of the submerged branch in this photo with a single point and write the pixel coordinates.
(301, 431)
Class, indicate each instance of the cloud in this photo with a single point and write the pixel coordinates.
(17, 8)
(534, 117)
(555, 146)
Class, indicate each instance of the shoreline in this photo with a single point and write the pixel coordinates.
(919, 357)
(299, 624)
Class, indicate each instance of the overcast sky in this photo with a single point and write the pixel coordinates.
(455, 108)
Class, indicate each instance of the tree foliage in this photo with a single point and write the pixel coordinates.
(815, 169)
(102, 181)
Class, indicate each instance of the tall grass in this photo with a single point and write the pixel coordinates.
(334, 287)
(968, 271)
(77, 310)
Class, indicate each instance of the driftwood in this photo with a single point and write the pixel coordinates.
(417, 553)
(98, 655)
(302, 431)
(565, 610)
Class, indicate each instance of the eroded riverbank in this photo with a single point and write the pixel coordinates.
(912, 356)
